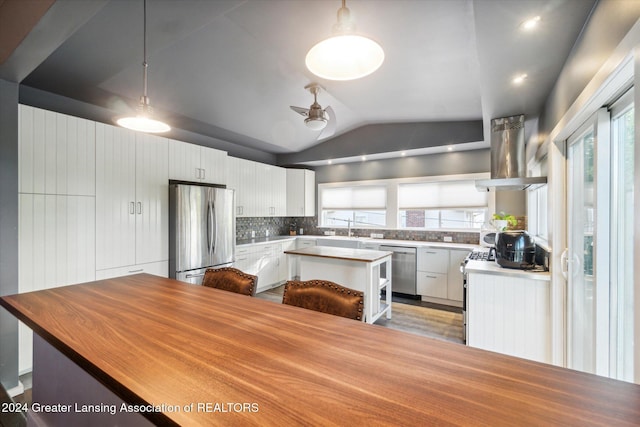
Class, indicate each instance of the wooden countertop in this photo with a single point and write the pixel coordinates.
(153, 340)
(350, 254)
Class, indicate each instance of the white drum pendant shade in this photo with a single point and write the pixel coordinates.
(345, 57)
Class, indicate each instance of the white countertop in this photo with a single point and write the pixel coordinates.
(489, 267)
(349, 254)
(391, 242)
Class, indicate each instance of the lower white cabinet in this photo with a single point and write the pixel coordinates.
(56, 247)
(432, 284)
(156, 268)
(431, 277)
(265, 260)
(439, 278)
(509, 315)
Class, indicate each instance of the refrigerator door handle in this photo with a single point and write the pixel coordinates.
(210, 227)
(214, 220)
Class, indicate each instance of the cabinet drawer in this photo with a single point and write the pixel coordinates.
(432, 284)
(305, 243)
(160, 268)
(434, 260)
(243, 250)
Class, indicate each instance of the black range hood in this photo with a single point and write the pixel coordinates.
(508, 171)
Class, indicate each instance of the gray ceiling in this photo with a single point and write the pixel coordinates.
(233, 67)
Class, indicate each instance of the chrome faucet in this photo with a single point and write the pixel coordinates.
(349, 227)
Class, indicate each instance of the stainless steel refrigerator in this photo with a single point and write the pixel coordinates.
(202, 230)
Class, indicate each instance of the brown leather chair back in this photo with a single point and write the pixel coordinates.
(326, 297)
(230, 279)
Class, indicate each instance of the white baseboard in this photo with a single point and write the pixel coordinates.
(17, 390)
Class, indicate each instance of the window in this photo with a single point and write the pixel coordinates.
(537, 205)
(361, 206)
(441, 204)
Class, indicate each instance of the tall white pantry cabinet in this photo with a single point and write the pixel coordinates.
(132, 202)
(56, 205)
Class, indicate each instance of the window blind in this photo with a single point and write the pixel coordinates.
(365, 197)
(441, 195)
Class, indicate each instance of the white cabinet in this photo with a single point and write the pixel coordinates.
(260, 188)
(305, 242)
(241, 176)
(56, 153)
(267, 261)
(56, 247)
(190, 162)
(301, 192)
(438, 278)
(132, 194)
(510, 315)
(160, 268)
(434, 260)
(431, 278)
(431, 284)
(271, 190)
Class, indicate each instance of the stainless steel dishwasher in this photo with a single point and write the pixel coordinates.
(403, 269)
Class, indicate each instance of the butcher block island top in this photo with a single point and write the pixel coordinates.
(157, 341)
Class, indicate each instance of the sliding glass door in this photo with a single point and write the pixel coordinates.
(622, 223)
(600, 273)
(581, 316)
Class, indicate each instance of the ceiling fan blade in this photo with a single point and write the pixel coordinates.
(330, 129)
(302, 111)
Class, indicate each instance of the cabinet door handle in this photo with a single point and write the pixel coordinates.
(431, 277)
(139, 208)
(140, 270)
(197, 173)
(204, 173)
(241, 259)
(132, 208)
(428, 252)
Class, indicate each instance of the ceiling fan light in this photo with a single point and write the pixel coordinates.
(345, 57)
(315, 123)
(143, 124)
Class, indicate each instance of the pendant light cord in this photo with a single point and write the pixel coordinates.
(145, 100)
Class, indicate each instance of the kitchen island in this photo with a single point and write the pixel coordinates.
(358, 269)
(179, 354)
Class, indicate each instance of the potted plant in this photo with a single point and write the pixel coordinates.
(502, 220)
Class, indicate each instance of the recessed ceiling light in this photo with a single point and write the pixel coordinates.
(519, 79)
(363, 158)
(530, 23)
(329, 162)
(450, 148)
(403, 154)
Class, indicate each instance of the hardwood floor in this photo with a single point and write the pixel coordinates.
(414, 316)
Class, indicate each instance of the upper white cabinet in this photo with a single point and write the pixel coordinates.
(261, 189)
(132, 198)
(271, 190)
(301, 192)
(241, 176)
(57, 153)
(190, 162)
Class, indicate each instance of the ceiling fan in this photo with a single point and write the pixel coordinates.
(317, 118)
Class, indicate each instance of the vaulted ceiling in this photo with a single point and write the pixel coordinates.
(232, 68)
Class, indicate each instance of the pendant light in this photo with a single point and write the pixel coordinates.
(143, 121)
(345, 55)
